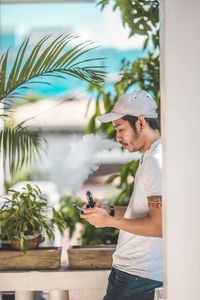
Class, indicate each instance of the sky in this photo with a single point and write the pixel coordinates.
(84, 19)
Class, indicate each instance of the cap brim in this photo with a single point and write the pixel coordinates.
(110, 117)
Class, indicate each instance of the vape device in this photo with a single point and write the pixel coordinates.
(91, 202)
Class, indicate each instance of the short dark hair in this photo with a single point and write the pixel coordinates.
(153, 123)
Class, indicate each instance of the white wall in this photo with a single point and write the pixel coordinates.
(180, 100)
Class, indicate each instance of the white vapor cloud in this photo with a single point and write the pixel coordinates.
(82, 158)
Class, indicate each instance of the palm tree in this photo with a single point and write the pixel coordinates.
(53, 59)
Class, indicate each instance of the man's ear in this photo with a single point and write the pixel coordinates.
(140, 123)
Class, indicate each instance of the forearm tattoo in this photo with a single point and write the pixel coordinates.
(155, 201)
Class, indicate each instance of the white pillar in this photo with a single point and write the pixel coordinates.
(180, 113)
(58, 295)
(24, 295)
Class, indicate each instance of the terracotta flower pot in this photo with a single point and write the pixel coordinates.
(31, 243)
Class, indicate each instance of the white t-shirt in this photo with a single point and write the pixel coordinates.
(135, 254)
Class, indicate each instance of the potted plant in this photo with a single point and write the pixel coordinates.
(25, 216)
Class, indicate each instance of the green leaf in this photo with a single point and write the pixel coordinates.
(20, 145)
(3, 74)
(145, 43)
(53, 60)
(16, 66)
(91, 125)
(23, 244)
(124, 173)
(111, 178)
(107, 102)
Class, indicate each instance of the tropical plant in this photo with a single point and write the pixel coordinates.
(20, 145)
(142, 17)
(26, 213)
(52, 59)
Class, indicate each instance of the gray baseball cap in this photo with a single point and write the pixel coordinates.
(136, 103)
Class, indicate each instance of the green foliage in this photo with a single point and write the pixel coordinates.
(126, 184)
(144, 72)
(26, 99)
(26, 174)
(142, 17)
(89, 234)
(54, 59)
(20, 145)
(25, 213)
(70, 214)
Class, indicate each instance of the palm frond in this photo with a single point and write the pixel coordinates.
(19, 146)
(53, 59)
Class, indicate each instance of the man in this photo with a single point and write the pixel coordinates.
(137, 261)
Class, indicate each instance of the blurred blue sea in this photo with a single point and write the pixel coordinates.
(59, 87)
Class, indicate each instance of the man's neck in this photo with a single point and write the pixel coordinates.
(154, 136)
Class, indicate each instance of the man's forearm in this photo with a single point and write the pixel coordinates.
(120, 211)
(151, 225)
(143, 226)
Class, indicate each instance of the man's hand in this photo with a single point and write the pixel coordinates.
(101, 205)
(96, 216)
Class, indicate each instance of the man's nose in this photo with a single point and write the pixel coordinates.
(118, 137)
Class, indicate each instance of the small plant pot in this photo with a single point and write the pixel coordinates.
(31, 243)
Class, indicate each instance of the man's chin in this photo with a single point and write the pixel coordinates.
(129, 148)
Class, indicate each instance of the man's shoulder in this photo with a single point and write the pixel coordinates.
(156, 153)
(154, 159)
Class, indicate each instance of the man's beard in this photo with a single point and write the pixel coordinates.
(135, 137)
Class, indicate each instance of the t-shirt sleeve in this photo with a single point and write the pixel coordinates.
(153, 177)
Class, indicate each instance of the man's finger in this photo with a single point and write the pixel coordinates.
(98, 204)
(89, 210)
